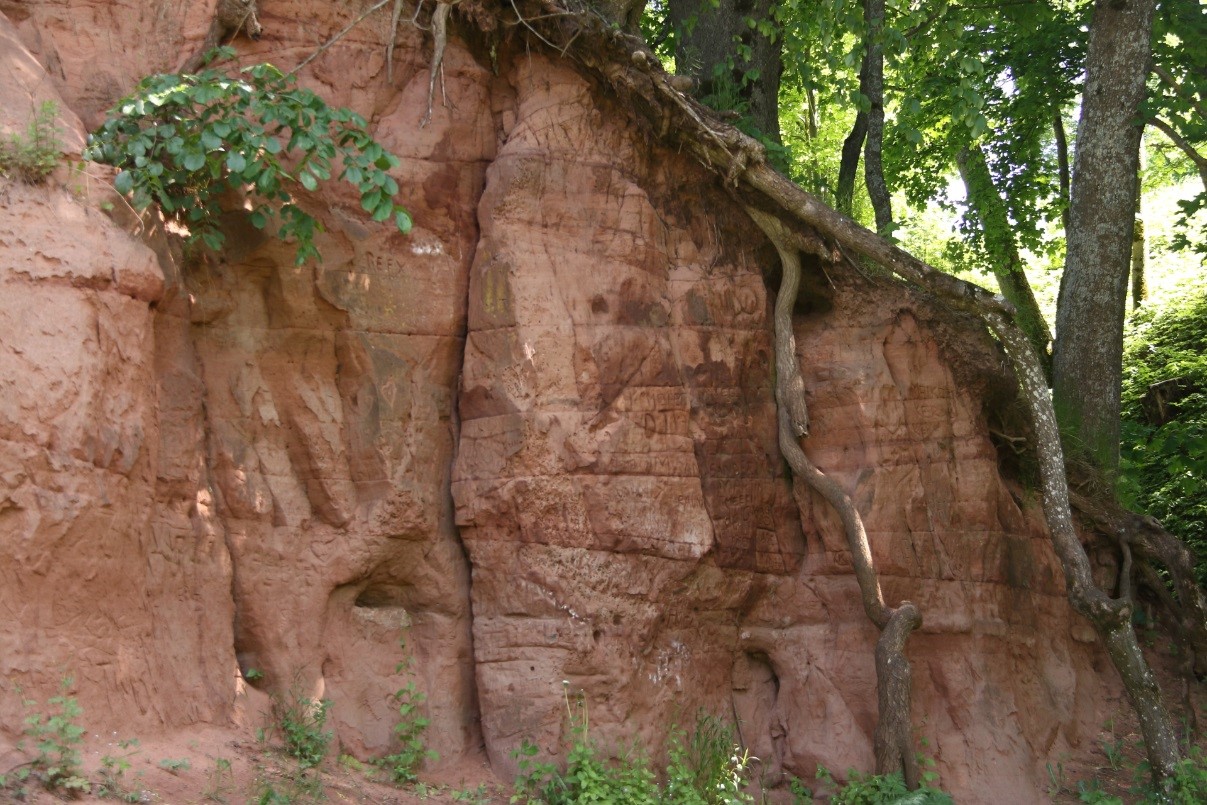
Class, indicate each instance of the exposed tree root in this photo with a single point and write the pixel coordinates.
(893, 737)
(319, 51)
(439, 42)
(1156, 547)
(1111, 617)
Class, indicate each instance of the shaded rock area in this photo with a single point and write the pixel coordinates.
(535, 439)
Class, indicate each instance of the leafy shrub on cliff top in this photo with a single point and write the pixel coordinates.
(182, 141)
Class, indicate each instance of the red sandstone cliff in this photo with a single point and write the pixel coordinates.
(536, 438)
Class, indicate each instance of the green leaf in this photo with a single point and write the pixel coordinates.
(193, 161)
(403, 220)
(235, 162)
(308, 181)
(123, 182)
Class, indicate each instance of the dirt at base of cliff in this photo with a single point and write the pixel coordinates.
(248, 763)
(237, 765)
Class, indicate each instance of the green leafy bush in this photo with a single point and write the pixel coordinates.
(1164, 449)
(1189, 784)
(882, 789)
(32, 156)
(301, 721)
(706, 769)
(56, 739)
(182, 141)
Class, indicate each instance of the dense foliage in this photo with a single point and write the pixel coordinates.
(184, 141)
(1165, 418)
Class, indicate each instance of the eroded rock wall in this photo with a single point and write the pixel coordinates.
(101, 578)
(535, 439)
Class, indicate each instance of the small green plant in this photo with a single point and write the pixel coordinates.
(32, 156)
(1056, 779)
(1114, 752)
(221, 782)
(801, 793)
(588, 777)
(112, 784)
(881, 789)
(1189, 784)
(707, 769)
(175, 765)
(183, 141)
(56, 739)
(532, 772)
(299, 785)
(1090, 792)
(300, 721)
(703, 769)
(476, 796)
(403, 764)
(253, 675)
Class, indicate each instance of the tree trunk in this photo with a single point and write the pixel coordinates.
(1139, 254)
(705, 51)
(848, 169)
(1087, 359)
(997, 236)
(852, 146)
(873, 168)
(1062, 167)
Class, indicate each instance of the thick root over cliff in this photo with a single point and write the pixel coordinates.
(894, 744)
(1111, 617)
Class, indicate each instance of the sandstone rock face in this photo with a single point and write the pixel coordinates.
(535, 440)
(101, 578)
(624, 506)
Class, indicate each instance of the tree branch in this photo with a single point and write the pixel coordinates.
(1200, 162)
(1168, 79)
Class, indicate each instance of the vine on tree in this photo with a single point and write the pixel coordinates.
(183, 140)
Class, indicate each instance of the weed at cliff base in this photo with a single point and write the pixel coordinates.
(221, 782)
(56, 738)
(881, 789)
(705, 769)
(112, 784)
(300, 720)
(402, 765)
